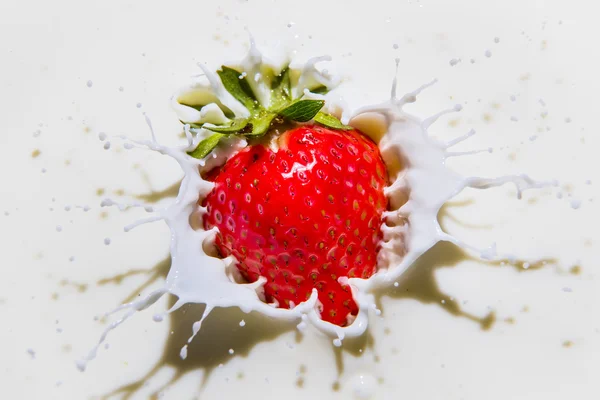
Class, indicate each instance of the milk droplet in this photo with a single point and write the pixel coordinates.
(72, 258)
(364, 386)
(106, 145)
(302, 326)
(488, 53)
(567, 289)
(106, 203)
(242, 323)
(89, 84)
(80, 365)
(107, 241)
(139, 105)
(127, 146)
(59, 228)
(231, 351)
(337, 342)
(453, 62)
(496, 40)
(183, 352)
(67, 208)
(31, 353)
(575, 204)
(102, 136)
(489, 253)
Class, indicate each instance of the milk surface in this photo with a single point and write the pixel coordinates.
(454, 327)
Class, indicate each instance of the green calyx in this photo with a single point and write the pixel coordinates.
(282, 107)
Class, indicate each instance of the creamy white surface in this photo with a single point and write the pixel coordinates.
(417, 191)
(48, 61)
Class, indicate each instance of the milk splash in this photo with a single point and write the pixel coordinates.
(417, 192)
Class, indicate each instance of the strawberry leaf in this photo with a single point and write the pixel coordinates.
(235, 126)
(330, 121)
(238, 87)
(302, 110)
(192, 125)
(206, 146)
(319, 90)
(281, 90)
(261, 122)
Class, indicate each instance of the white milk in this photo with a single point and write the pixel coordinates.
(452, 326)
(410, 229)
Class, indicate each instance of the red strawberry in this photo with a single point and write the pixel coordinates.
(303, 216)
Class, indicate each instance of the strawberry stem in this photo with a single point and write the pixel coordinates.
(282, 107)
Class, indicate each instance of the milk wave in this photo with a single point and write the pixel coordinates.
(416, 193)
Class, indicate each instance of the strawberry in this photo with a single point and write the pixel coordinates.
(302, 216)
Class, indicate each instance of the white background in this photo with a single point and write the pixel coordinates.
(545, 343)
